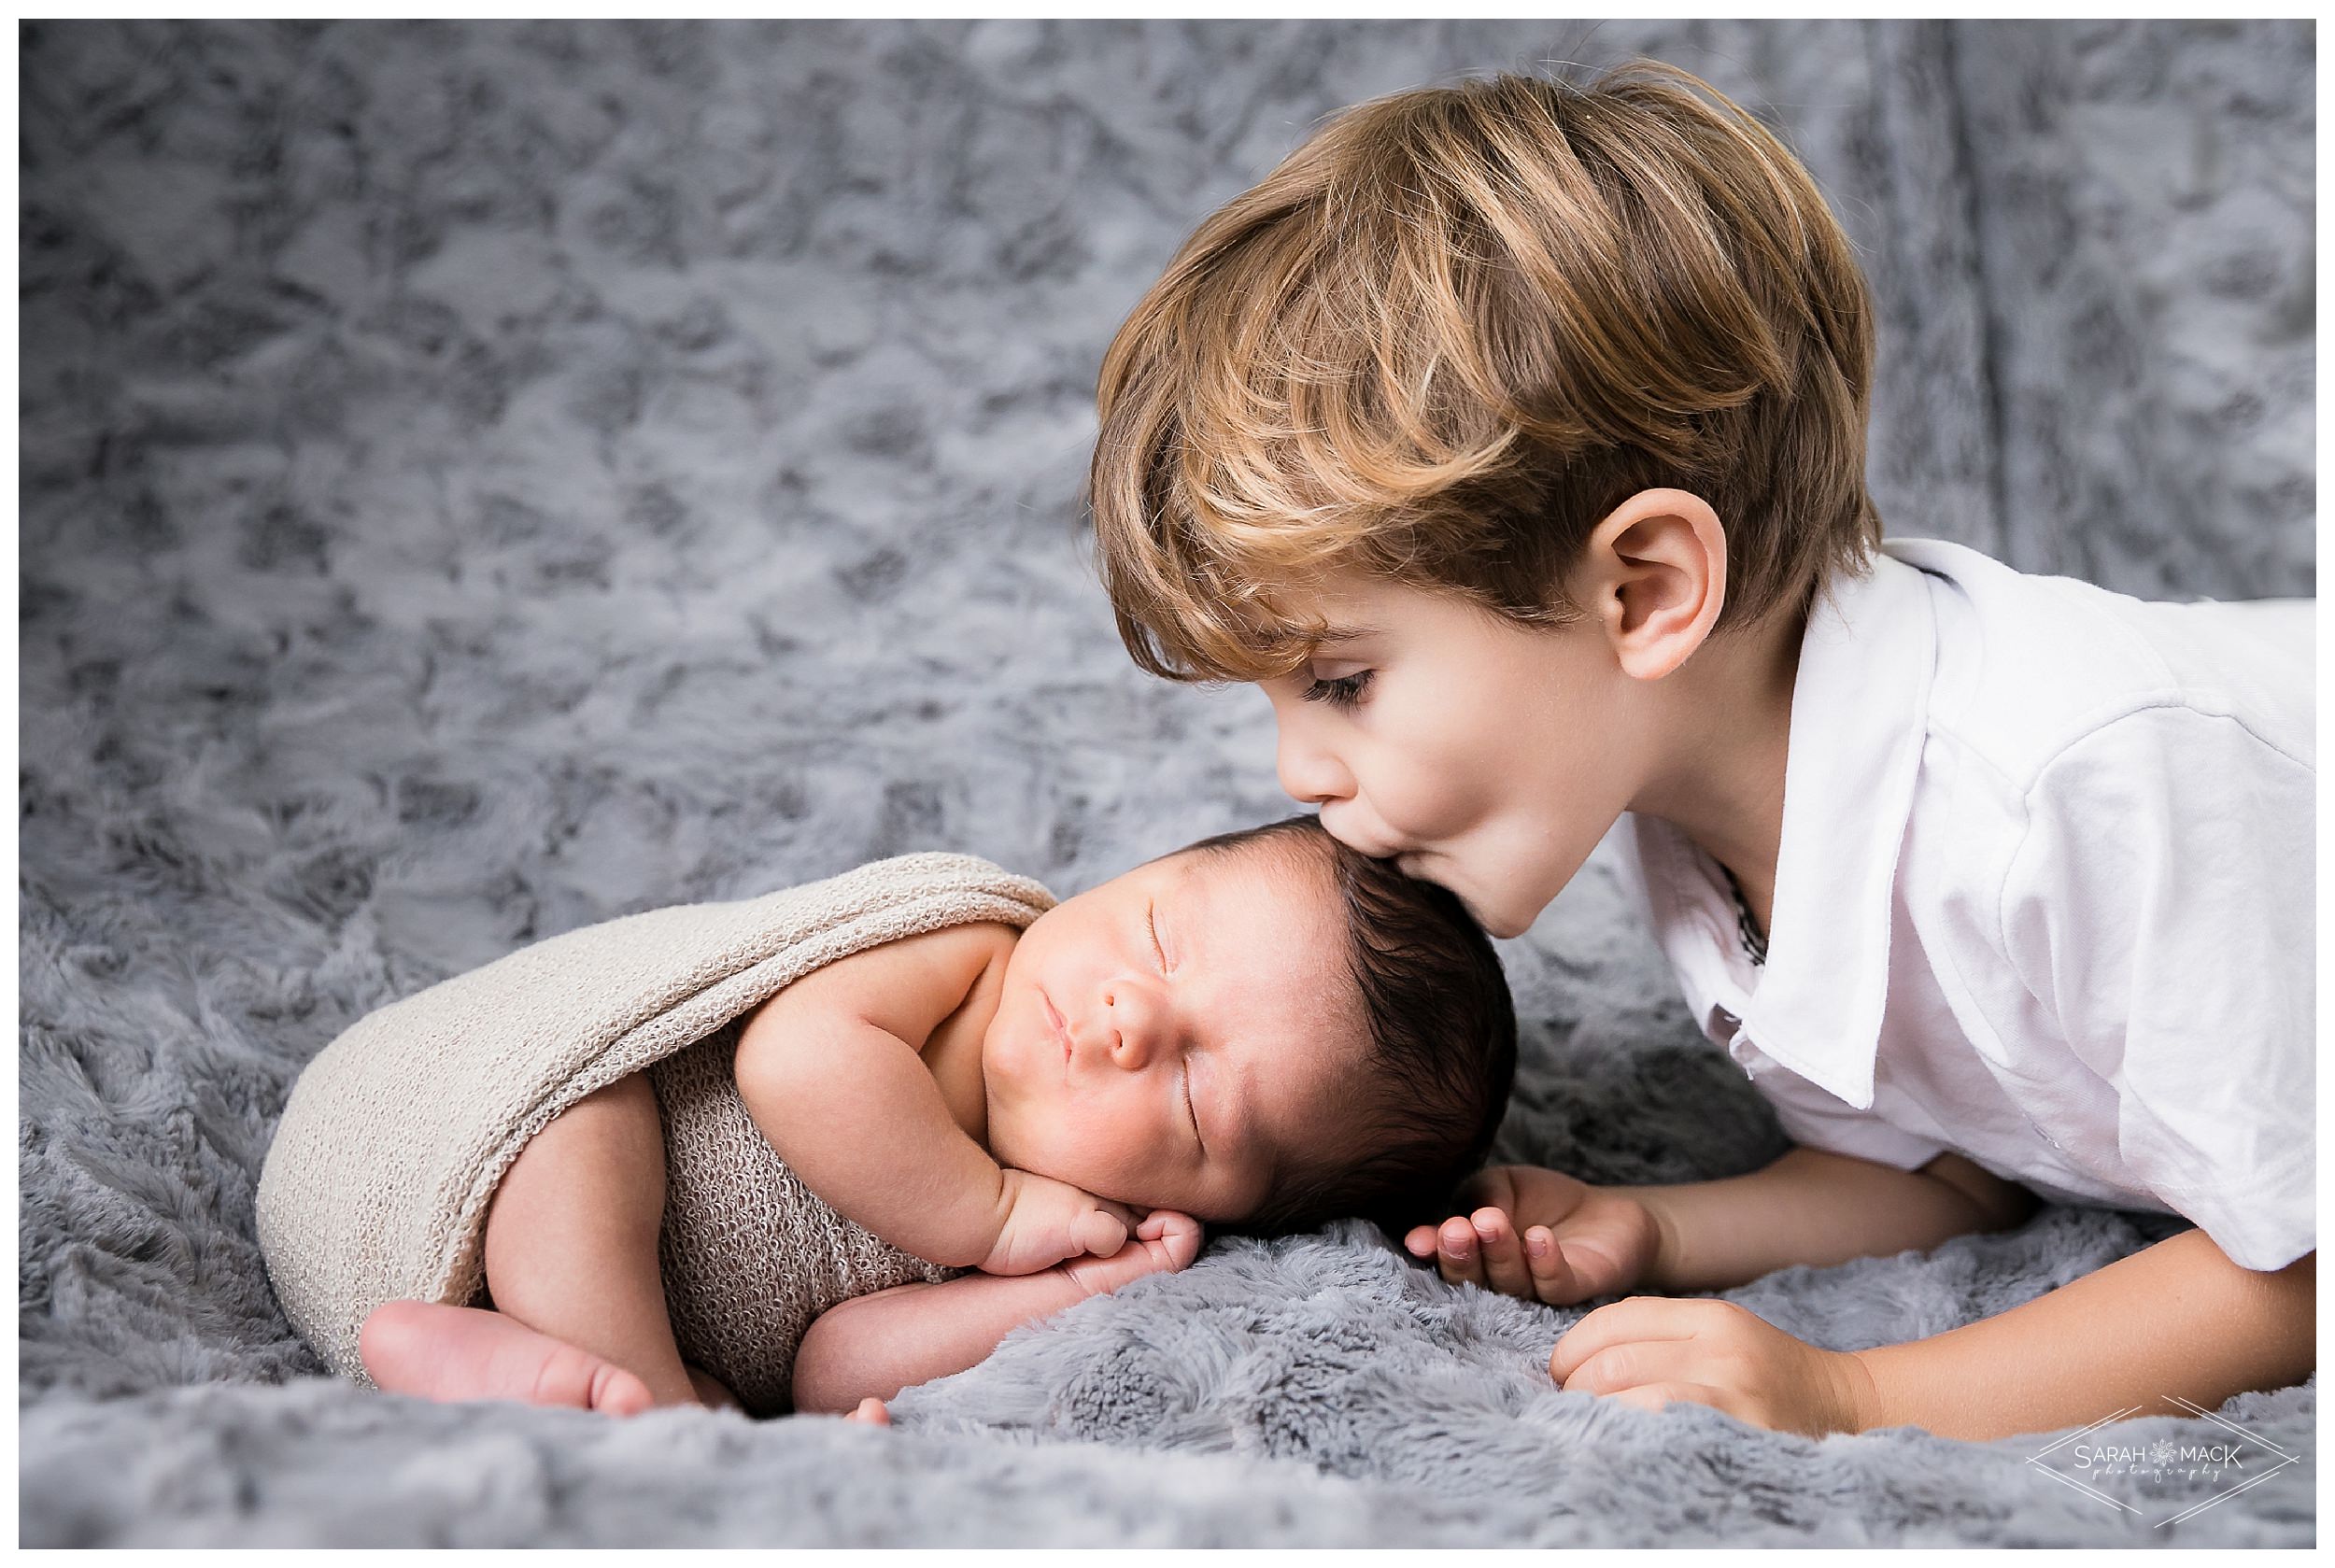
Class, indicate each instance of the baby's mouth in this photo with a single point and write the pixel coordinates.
(1061, 1030)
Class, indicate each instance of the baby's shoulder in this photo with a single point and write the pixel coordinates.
(951, 952)
(947, 955)
(918, 978)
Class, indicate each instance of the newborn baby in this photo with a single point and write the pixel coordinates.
(1263, 1030)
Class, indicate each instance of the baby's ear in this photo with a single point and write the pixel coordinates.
(1654, 574)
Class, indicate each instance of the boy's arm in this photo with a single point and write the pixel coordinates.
(2176, 1320)
(874, 1346)
(1817, 1207)
(831, 1072)
(1808, 1207)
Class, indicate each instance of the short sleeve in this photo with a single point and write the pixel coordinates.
(1817, 1119)
(2160, 909)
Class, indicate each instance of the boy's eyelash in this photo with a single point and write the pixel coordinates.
(1344, 692)
(1150, 922)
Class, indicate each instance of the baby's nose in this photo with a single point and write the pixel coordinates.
(1132, 1015)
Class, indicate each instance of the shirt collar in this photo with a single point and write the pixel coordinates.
(1860, 716)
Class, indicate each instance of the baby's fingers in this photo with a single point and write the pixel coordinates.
(1176, 1236)
(1104, 1229)
(1165, 1223)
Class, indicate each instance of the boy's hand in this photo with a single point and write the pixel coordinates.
(1165, 1243)
(1047, 1220)
(1543, 1235)
(1651, 1350)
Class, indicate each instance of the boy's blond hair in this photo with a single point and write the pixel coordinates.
(1451, 332)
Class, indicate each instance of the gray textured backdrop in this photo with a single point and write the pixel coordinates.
(479, 480)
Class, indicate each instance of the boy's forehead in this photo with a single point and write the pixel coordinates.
(1330, 634)
(1312, 621)
(1343, 607)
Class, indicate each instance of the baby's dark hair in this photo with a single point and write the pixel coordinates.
(1442, 1043)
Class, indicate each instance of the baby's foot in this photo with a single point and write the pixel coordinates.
(712, 1392)
(463, 1352)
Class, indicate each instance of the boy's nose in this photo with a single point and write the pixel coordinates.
(1308, 774)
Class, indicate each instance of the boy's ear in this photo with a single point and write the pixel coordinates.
(1655, 577)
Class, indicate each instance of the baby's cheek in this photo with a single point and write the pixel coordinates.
(1144, 1169)
(1082, 1146)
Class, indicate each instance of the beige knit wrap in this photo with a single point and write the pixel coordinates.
(376, 1186)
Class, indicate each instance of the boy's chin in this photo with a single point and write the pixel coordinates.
(1495, 922)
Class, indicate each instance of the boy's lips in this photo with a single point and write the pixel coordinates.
(1376, 846)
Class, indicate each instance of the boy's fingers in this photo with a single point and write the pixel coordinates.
(1658, 1397)
(1637, 1365)
(1457, 1257)
(1503, 1252)
(1419, 1241)
(1553, 1281)
(1627, 1321)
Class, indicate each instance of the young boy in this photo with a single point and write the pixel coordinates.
(1511, 437)
(1263, 1030)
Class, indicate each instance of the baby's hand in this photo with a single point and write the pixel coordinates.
(1165, 1243)
(1542, 1236)
(1047, 1220)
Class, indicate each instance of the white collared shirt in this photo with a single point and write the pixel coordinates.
(2044, 894)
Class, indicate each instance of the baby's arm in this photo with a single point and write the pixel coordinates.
(873, 1346)
(831, 1072)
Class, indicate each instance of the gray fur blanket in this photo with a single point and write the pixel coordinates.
(479, 480)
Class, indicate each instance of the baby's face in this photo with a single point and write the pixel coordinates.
(1171, 1038)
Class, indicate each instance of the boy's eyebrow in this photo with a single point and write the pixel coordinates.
(1329, 634)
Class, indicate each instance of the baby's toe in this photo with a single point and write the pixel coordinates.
(614, 1391)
